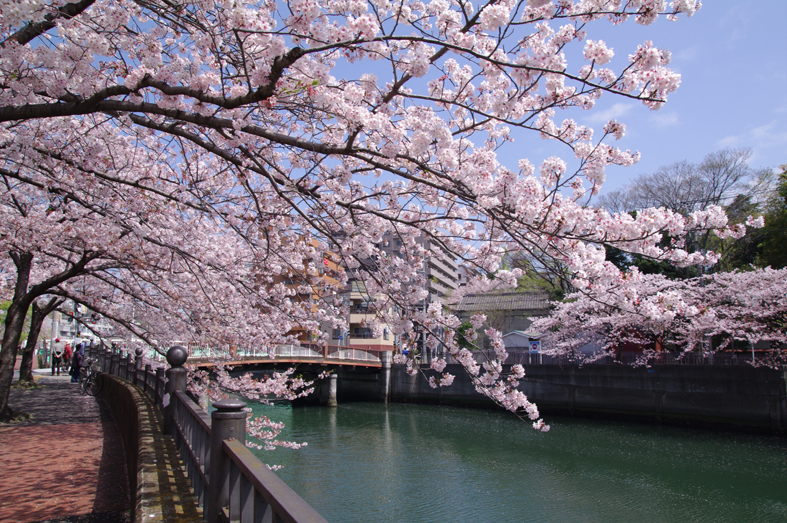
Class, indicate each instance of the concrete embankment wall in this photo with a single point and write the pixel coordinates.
(128, 408)
(732, 396)
(147, 457)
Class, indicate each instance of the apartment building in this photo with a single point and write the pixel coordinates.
(440, 268)
(327, 270)
(362, 314)
(440, 272)
(82, 323)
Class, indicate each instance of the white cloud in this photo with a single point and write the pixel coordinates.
(771, 137)
(730, 141)
(769, 134)
(665, 120)
(615, 112)
(689, 54)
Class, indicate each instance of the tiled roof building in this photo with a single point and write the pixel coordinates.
(504, 301)
(505, 311)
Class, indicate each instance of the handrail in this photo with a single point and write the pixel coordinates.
(238, 487)
(192, 436)
(277, 496)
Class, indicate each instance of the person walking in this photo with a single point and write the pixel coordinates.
(67, 357)
(76, 363)
(57, 355)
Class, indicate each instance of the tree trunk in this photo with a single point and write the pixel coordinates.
(38, 316)
(26, 368)
(14, 323)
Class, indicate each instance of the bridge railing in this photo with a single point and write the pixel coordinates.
(353, 354)
(229, 481)
(340, 353)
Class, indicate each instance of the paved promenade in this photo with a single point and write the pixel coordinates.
(65, 464)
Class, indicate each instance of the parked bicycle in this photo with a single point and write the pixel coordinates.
(92, 382)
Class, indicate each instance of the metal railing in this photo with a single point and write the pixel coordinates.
(362, 336)
(339, 353)
(350, 354)
(524, 357)
(230, 483)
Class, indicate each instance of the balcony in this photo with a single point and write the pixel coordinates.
(439, 287)
(446, 265)
(357, 318)
(362, 336)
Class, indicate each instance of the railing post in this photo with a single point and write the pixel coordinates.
(159, 388)
(138, 361)
(115, 365)
(227, 421)
(146, 385)
(176, 380)
(123, 369)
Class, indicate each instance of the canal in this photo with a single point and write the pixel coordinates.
(368, 462)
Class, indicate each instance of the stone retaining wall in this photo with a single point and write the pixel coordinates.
(725, 396)
(731, 396)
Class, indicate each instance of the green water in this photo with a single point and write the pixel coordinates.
(367, 462)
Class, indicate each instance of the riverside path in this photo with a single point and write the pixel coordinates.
(66, 463)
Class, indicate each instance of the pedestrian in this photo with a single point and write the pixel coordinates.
(57, 356)
(67, 353)
(76, 363)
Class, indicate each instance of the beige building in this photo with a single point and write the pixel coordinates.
(441, 274)
(361, 315)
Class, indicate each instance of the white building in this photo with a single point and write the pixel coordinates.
(82, 323)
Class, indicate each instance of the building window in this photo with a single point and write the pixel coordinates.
(363, 333)
(337, 334)
(386, 333)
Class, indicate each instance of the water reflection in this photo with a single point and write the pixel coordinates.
(368, 462)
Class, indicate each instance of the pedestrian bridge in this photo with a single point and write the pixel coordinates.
(288, 354)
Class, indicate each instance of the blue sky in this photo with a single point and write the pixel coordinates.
(732, 57)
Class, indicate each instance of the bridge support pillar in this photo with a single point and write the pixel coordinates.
(385, 358)
(333, 380)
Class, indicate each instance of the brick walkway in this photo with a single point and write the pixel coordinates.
(65, 464)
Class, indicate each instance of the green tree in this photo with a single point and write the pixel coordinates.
(773, 248)
(723, 178)
(461, 340)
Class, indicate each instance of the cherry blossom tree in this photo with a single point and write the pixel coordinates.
(136, 259)
(177, 162)
(38, 314)
(722, 178)
(743, 306)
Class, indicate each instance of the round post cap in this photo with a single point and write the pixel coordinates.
(177, 356)
(138, 351)
(229, 404)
